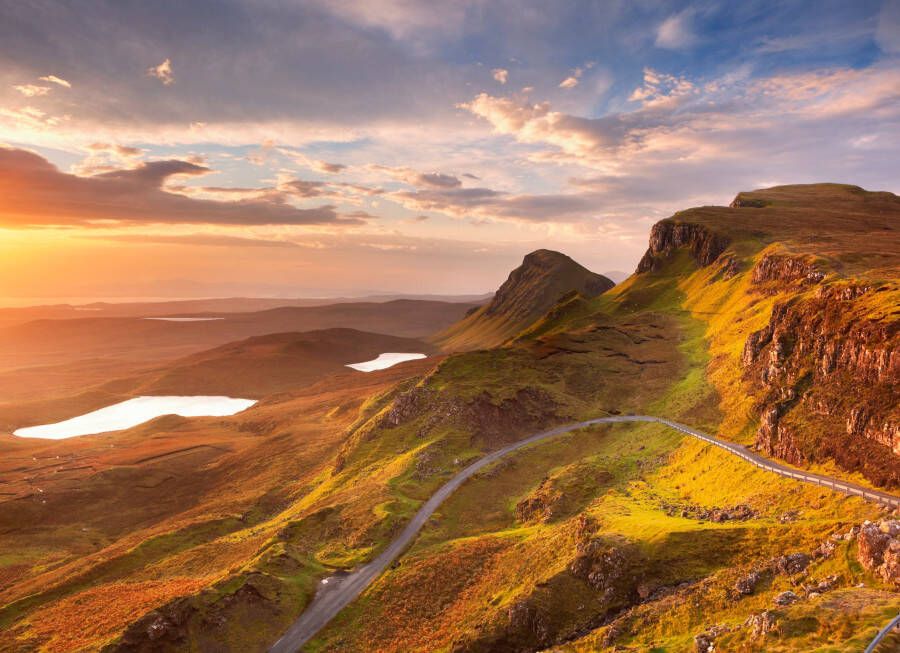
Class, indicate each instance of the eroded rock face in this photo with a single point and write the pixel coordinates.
(487, 419)
(703, 643)
(747, 584)
(739, 512)
(668, 235)
(762, 624)
(878, 549)
(539, 505)
(161, 629)
(823, 364)
(786, 598)
(525, 619)
(784, 269)
(793, 563)
(611, 569)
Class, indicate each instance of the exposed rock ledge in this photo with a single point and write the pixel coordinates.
(668, 235)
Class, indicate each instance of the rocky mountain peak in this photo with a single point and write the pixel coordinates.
(536, 285)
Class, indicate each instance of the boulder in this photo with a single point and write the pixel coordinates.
(793, 563)
(746, 585)
(762, 624)
(703, 643)
(786, 598)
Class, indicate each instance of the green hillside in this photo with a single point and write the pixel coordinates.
(624, 537)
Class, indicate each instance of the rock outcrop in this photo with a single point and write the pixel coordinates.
(762, 624)
(668, 235)
(543, 278)
(746, 585)
(784, 269)
(878, 550)
(823, 365)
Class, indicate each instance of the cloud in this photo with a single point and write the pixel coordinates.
(303, 188)
(331, 168)
(887, 34)
(125, 151)
(500, 74)
(31, 118)
(690, 142)
(286, 188)
(490, 204)
(31, 90)
(407, 21)
(302, 159)
(676, 32)
(204, 240)
(34, 192)
(572, 80)
(537, 123)
(419, 179)
(162, 72)
(53, 79)
(660, 90)
(107, 157)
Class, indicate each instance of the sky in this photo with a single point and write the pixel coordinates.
(345, 147)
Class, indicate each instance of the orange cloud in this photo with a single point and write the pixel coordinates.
(34, 192)
(32, 90)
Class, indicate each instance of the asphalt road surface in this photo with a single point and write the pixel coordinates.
(338, 591)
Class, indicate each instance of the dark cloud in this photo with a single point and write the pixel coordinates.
(326, 166)
(438, 180)
(303, 188)
(420, 179)
(486, 202)
(35, 192)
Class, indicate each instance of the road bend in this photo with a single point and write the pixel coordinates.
(336, 592)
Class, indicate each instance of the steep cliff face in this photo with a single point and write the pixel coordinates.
(826, 377)
(668, 235)
(813, 270)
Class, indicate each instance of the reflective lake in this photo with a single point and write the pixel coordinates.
(136, 411)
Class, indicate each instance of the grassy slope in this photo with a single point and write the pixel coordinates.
(132, 520)
(476, 560)
(664, 342)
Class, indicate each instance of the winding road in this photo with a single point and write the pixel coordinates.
(338, 591)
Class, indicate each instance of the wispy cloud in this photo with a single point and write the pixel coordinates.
(53, 79)
(31, 90)
(419, 179)
(162, 72)
(676, 32)
(500, 74)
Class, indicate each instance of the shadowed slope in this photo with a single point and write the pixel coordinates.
(275, 363)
